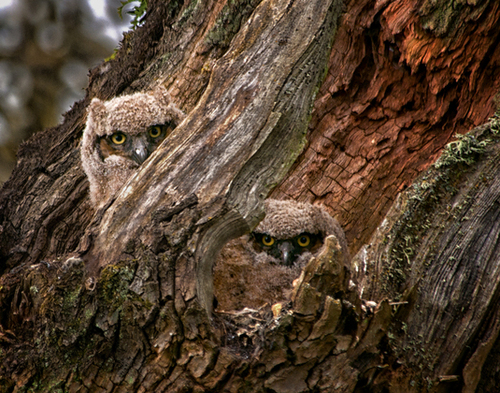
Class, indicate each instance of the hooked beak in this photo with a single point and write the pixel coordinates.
(287, 253)
(139, 151)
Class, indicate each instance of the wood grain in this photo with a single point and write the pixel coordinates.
(403, 78)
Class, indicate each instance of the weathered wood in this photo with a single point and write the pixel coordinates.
(238, 142)
(403, 78)
(48, 168)
(437, 253)
(44, 206)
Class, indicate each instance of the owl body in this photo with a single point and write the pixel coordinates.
(120, 135)
(260, 267)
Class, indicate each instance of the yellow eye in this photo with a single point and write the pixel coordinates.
(303, 240)
(118, 138)
(155, 131)
(267, 240)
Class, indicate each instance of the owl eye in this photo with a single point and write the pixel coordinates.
(118, 138)
(303, 240)
(155, 131)
(267, 240)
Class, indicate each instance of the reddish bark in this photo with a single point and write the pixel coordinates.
(403, 78)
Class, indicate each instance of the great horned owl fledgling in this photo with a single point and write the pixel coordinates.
(292, 232)
(120, 135)
(260, 267)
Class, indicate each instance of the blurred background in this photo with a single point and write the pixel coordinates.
(46, 50)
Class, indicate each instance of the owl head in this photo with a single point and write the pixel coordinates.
(119, 136)
(292, 232)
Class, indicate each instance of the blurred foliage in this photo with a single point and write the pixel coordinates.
(46, 50)
(137, 12)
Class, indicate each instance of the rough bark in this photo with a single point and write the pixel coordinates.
(437, 254)
(404, 77)
(121, 300)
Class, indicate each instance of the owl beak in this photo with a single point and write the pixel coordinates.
(139, 151)
(287, 253)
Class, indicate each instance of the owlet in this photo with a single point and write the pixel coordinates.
(120, 135)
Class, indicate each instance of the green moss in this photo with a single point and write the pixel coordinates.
(425, 200)
(112, 56)
(130, 380)
(229, 21)
(72, 298)
(495, 123)
(89, 313)
(444, 17)
(465, 149)
(114, 283)
(188, 13)
(439, 16)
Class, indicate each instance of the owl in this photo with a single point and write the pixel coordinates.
(292, 232)
(120, 135)
(260, 267)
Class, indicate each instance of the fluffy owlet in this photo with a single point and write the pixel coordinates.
(261, 267)
(120, 135)
(292, 232)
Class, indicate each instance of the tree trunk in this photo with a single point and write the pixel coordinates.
(120, 299)
(404, 77)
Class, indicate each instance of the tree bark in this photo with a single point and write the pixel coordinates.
(403, 78)
(120, 299)
(437, 255)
